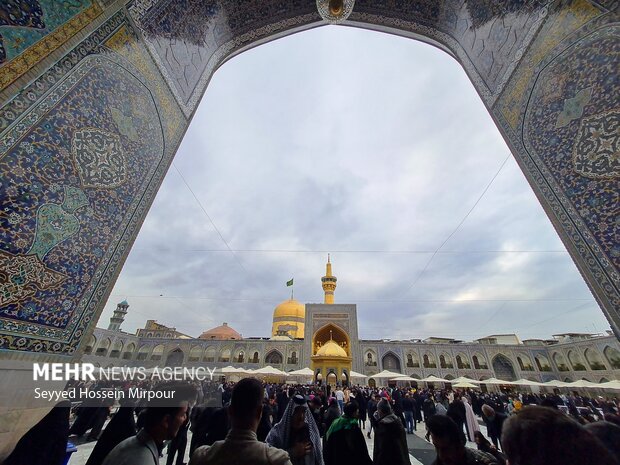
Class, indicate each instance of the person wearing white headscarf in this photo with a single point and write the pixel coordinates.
(470, 417)
(298, 434)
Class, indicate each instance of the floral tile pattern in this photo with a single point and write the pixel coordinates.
(73, 177)
(31, 29)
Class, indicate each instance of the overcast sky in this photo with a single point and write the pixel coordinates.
(374, 148)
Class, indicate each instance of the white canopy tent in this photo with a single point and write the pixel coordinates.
(495, 381)
(404, 378)
(463, 384)
(465, 379)
(435, 379)
(303, 372)
(615, 384)
(582, 383)
(386, 374)
(355, 374)
(526, 382)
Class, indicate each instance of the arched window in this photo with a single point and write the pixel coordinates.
(240, 356)
(429, 361)
(117, 348)
(594, 360)
(129, 350)
(560, 362)
(194, 354)
(255, 358)
(391, 362)
(480, 362)
(273, 358)
(292, 360)
(102, 349)
(92, 342)
(225, 356)
(462, 362)
(175, 358)
(158, 352)
(576, 361)
(210, 354)
(613, 357)
(445, 361)
(542, 363)
(371, 359)
(143, 353)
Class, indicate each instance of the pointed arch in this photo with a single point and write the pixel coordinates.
(157, 353)
(429, 361)
(370, 358)
(195, 354)
(445, 361)
(239, 356)
(293, 358)
(92, 342)
(175, 358)
(102, 348)
(462, 361)
(274, 357)
(225, 355)
(594, 359)
(129, 351)
(413, 360)
(480, 362)
(542, 363)
(560, 361)
(255, 357)
(334, 332)
(143, 352)
(503, 368)
(576, 361)
(613, 357)
(210, 354)
(390, 361)
(117, 348)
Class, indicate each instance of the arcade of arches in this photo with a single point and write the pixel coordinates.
(117, 75)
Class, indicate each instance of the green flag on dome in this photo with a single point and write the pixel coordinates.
(289, 283)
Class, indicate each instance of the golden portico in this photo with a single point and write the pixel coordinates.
(128, 75)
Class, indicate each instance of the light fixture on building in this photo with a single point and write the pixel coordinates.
(335, 11)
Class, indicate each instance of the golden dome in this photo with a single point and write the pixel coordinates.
(290, 308)
(331, 349)
(221, 333)
(288, 319)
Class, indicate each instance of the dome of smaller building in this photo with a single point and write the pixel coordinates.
(221, 333)
(331, 349)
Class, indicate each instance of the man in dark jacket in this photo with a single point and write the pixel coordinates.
(495, 422)
(390, 447)
(344, 441)
(449, 444)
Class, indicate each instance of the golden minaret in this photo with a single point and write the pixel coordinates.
(329, 283)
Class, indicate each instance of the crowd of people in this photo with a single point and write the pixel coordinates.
(251, 422)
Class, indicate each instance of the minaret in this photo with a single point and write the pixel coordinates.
(116, 320)
(329, 283)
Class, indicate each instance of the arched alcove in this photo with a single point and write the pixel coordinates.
(613, 357)
(274, 357)
(175, 358)
(390, 361)
(503, 368)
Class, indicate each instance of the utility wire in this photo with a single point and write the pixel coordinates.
(457, 227)
(209, 218)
